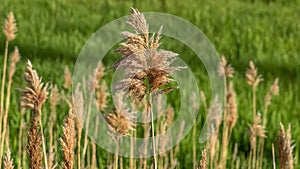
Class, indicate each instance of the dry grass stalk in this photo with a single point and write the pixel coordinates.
(226, 71)
(253, 80)
(274, 90)
(15, 58)
(147, 69)
(54, 98)
(78, 102)
(256, 130)
(68, 141)
(8, 161)
(93, 85)
(33, 97)
(215, 119)
(273, 156)
(285, 148)
(20, 143)
(203, 161)
(234, 156)
(9, 29)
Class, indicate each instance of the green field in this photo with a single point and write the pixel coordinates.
(52, 33)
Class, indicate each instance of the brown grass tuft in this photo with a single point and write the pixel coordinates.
(203, 161)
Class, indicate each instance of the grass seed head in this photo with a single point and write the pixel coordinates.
(10, 27)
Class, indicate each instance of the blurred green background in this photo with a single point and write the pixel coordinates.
(52, 33)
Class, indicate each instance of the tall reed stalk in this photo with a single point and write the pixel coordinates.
(9, 29)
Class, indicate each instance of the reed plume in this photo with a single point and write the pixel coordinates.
(8, 161)
(68, 141)
(146, 68)
(33, 97)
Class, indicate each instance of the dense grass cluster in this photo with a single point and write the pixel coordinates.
(262, 31)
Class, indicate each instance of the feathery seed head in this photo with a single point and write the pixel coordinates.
(35, 93)
(146, 68)
(10, 27)
(251, 75)
(15, 58)
(231, 106)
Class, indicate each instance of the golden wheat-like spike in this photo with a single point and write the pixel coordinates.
(285, 148)
(68, 141)
(10, 27)
(8, 161)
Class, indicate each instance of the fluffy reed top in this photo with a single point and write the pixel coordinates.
(117, 121)
(14, 58)
(8, 161)
(35, 93)
(10, 27)
(285, 148)
(68, 140)
(251, 74)
(141, 61)
(225, 69)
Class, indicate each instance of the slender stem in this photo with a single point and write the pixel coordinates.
(2, 92)
(254, 101)
(149, 107)
(20, 142)
(85, 145)
(44, 144)
(116, 154)
(223, 158)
